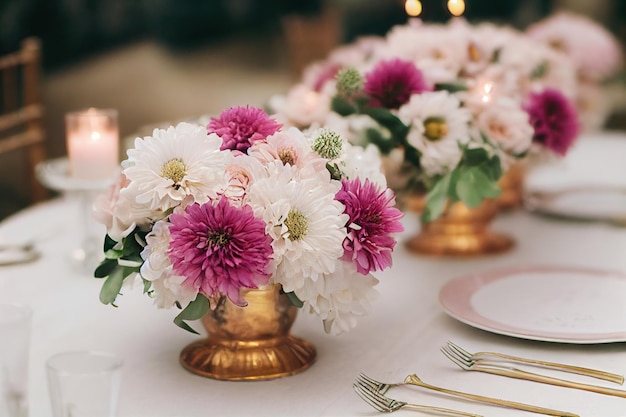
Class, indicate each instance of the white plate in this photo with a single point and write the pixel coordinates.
(555, 304)
(589, 183)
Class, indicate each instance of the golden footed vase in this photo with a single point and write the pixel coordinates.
(512, 185)
(461, 231)
(252, 342)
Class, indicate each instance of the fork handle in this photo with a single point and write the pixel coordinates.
(414, 380)
(446, 411)
(530, 376)
(595, 373)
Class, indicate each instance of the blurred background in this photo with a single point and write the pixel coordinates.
(159, 61)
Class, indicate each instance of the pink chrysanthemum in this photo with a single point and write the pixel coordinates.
(391, 83)
(372, 220)
(220, 249)
(554, 119)
(239, 127)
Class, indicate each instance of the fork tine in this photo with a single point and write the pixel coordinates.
(372, 399)
(452, 355)
(373, 384)
(469, 356)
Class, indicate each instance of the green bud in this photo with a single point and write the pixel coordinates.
(349, 81)
(328, 145)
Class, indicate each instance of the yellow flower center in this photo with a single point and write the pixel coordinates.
(435, 128)
(219, 239)
(297, 225)
(287, 156)
(175, 170)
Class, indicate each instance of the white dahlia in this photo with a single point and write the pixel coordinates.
(306, 223)
(173, 164)
(339, 298)
(167, 287)
(438, 124)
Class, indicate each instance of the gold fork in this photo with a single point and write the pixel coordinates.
(504, 370)
(385, 404)
(372, 385)
(482, 358)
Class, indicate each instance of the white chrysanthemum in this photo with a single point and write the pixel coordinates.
(364, 163)
(438, 124)
(339, 298)
(506, 125)
(173, 164)
(304, 220)
(167, 287)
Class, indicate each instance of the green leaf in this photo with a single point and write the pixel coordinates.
(473, 186)
(194, 311)
(293, 299)
(112, 286)
(385, 145)
(108, 243)
(387, 119)
(540, 71)
(105, 268)
(436, 199)
(451, 87)
(475, 156)
(342, 106)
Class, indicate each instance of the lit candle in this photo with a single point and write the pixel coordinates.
(456, 7)
(413, 7)
(92, 143)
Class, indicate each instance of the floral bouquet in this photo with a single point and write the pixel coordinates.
(201, 212)
(451, 106)
(596, 55)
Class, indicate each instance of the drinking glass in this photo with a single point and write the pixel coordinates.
(84, 384)
(15, 323)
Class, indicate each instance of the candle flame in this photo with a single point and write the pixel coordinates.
(95, 135)
(456, 7)
(413, 7)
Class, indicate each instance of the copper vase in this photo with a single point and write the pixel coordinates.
(250, 343)
(512, 185)
(461, 231)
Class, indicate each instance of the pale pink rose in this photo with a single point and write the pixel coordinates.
(592, 47)
(507, 126)
(302, 107)
(117, 214)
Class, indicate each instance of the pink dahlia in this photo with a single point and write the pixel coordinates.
(372, 220)
(554, 119)
(239, 127)
(391, 83)
(220, 249)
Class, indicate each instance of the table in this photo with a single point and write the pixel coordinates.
(401, 335)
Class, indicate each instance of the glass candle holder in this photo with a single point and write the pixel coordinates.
(92, 143)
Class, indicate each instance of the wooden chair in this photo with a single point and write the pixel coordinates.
(21, 111)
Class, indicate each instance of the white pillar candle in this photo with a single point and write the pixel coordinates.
(92, 143)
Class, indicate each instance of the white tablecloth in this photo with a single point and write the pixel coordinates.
(402, 334)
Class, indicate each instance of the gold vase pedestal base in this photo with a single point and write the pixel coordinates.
(251, 342)
(461, 232)
(238, 361)
(461, 245)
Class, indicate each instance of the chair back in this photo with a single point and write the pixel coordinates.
(21, 111)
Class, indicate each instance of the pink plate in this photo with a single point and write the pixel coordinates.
(548, 303)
